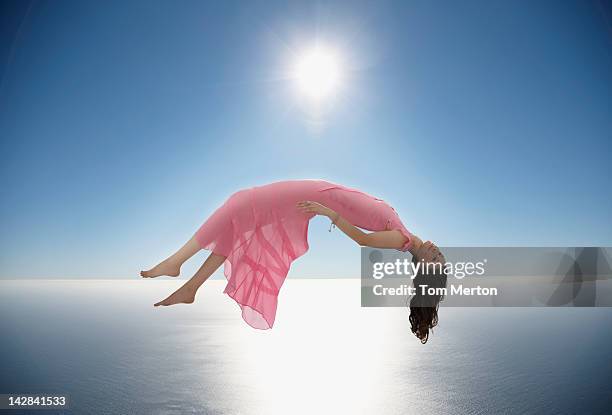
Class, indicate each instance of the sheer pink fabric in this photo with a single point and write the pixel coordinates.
(261, 232)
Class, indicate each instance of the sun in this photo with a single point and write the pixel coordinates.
(317, 73)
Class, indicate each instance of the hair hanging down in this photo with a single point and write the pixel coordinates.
(424, 307)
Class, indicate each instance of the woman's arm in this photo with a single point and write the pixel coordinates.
(383, 239)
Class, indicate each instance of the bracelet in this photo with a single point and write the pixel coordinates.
(333, 222)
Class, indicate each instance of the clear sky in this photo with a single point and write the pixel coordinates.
(123, 125)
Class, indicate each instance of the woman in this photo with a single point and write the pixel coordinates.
(258, 232)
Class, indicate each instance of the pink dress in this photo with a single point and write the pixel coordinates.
(261, 232)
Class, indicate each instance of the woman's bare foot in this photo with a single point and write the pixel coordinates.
(166, 267)
(185, 294)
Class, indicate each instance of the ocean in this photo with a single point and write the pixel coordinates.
(103, 344)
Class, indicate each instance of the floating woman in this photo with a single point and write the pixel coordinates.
(258, 232)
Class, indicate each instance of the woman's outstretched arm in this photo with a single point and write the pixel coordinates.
(392, 239)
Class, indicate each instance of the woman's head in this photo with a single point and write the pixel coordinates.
(424, 305)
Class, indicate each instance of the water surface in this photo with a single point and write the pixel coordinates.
(102, 343)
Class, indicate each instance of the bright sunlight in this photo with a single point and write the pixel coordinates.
(317, 73)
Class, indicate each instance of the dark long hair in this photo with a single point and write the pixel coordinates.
(424, 307)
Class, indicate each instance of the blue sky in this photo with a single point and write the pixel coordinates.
(123, 125)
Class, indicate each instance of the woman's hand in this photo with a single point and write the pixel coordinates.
(307, 206)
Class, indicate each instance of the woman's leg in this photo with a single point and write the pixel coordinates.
(186, 294)
(172, 265)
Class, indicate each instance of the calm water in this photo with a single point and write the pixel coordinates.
(103, 343)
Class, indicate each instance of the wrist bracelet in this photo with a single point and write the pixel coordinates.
(333, 222)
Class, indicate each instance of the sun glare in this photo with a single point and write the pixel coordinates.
(317, 73)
